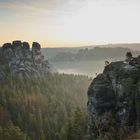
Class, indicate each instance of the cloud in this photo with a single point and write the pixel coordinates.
(52, 5)
(71, 20)
(38, 10)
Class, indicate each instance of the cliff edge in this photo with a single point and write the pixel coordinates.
(114, 101)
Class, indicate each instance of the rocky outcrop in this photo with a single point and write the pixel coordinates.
(114, 101)
(18, 59)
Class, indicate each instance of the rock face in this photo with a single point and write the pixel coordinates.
(18, 59)
(114, 101)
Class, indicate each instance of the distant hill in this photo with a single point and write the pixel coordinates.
(96, 53)
(133, 46)
(50, 53)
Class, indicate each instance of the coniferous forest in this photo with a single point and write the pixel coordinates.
(51, 108)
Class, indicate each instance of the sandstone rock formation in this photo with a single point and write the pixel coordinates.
(114, 101)
(18, 59)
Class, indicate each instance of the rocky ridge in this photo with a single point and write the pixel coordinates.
(18, 59)
(114, 101)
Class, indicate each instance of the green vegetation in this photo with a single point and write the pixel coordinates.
(52, 108)
(11, 132)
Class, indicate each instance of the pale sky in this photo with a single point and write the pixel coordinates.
(66, 23)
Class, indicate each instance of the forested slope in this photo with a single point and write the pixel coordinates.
(52, 108)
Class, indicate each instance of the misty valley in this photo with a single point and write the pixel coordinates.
(69, 70)
(89, 68)
(88, 60)
(69, 93)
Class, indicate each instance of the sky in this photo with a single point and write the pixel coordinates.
(70, 23)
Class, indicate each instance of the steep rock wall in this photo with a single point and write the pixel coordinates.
(114, 101)
(18, 59)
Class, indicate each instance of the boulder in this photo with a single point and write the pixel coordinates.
(16, 43)
(26, 45)
(7, 46)
(36, 46)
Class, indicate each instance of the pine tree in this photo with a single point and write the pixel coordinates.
(77, 127)
(42, 135)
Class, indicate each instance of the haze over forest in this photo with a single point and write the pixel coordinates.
(87, 60)
(69, 69)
